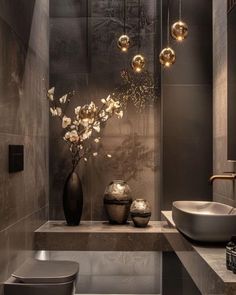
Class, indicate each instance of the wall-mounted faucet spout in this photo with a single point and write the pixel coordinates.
(231, 176)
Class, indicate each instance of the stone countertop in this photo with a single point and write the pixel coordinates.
(101, 236)
(204, 262)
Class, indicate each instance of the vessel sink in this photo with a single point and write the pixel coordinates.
(205, 221)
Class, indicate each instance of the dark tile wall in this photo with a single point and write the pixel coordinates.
(175, 279)
(84, 57)
(223, 191)
(187, 107)
(24, 120)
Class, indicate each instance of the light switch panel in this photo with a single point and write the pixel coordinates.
(16, 158)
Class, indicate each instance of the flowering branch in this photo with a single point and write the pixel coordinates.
(87, 120)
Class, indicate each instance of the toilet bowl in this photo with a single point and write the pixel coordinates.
(43, 277)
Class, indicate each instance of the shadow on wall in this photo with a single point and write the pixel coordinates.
(131, 158)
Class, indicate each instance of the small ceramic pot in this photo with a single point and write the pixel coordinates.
(233, 260)
(117, 201)
(140, 211)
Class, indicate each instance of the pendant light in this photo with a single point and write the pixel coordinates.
(138, 61)
(179, 30)
(124, 41)
(167, 56)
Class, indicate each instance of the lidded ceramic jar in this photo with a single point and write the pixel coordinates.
(140, 212)
(117, 201)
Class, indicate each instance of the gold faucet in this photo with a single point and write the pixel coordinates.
(230, 176)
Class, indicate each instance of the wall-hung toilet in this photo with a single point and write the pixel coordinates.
(39, 277)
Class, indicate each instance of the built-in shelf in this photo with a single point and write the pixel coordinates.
(101, 236)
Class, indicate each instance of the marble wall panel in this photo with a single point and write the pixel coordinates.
(10, 13)
(223, 191)
(17, 242)
(24, 112)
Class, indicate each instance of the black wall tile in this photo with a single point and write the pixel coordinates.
(187, 110)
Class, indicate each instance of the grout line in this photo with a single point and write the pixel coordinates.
(21, 219)
(22, 135)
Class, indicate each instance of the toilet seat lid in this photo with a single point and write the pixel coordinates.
(46, 271)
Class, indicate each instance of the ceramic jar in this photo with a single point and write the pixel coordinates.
(117, 201)
(140, 212)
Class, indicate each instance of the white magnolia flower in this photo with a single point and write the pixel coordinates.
(96, 126)
(51, 93)
(63, 99)
(97, 139)
(53, 111)
(74, 137)
(95, 154)
(66, 122)
(59, 111)
(105, 100)
(67, 136)
(113, 106)
(76, 123)
(109, 156)
(119, 113)
(85, 160)
(86, 114)
(87, 133)
(77, 110)
(103, 115)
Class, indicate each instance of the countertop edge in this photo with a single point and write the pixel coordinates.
(210, 260)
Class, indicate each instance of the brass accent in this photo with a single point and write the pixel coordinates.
(231, 176)
(123, 43)
(138, 63)
(140, 212)
(117, 200)
(167, 57)
(179, 31)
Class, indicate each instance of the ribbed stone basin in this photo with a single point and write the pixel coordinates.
(205, 221)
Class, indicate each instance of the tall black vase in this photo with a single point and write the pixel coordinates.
(73, 199)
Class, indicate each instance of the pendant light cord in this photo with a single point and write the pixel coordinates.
(139, 25)
(124, 15)
(168, 24)
(180, 9)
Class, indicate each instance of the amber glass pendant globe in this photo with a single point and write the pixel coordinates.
(179, 31)
(138, 63)
(123, 43)
(167, 57)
